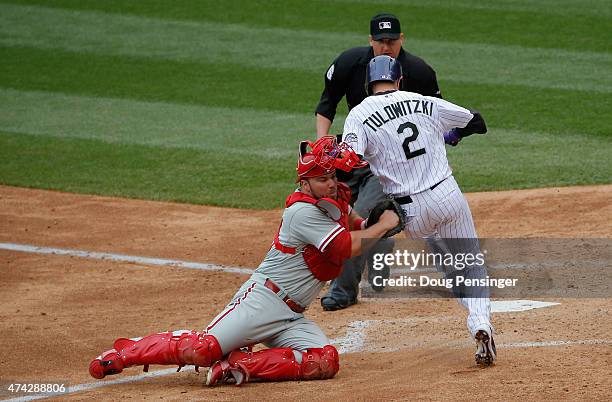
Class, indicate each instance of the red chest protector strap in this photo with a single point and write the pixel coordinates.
(337, 210)
(279, 246)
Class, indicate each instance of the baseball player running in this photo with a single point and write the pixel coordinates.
(346, 77)
(311, 244)
(402, 136)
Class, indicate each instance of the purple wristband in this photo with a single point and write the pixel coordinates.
(452, 137)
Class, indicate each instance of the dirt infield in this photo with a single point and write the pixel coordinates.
(58, 312)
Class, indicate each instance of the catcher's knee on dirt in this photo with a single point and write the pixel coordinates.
(320, 363)
(180, 348)
(277, 364)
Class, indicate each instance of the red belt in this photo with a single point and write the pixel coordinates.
(288, 301)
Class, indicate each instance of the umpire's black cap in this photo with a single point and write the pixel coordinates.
(385, 26)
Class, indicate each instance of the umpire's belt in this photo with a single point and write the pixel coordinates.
(288, 301)
(407, 199)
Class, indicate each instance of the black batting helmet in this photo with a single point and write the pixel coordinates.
(382, 68)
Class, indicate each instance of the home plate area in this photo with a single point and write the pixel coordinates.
(390, 335)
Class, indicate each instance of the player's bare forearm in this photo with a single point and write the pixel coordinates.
(387, 221)
(373, 232)
(323, 125)
(355, 220)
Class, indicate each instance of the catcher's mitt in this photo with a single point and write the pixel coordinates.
(381, 207)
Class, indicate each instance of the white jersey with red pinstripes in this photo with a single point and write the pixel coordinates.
(303, 224)
(401, 135)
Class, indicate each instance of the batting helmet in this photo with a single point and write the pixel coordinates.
(325, 156)
(382, 68)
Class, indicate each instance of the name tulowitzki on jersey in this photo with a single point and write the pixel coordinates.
(401, 134)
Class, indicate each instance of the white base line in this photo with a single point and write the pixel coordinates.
(556, 343)
(352, 342)
(99, 384)
(123, 258)
(355, 337)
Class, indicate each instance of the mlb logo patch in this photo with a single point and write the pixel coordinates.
(330, 72)
(384, 25)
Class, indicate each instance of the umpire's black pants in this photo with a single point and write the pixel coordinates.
(366, 193)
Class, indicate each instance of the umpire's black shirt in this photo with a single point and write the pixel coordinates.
(347, 76)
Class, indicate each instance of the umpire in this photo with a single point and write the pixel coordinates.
(346, 77)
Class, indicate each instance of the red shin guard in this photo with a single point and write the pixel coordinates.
(278, 364)
(164, 348)
(320, 363)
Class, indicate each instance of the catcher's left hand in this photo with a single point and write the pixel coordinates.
(377, 211)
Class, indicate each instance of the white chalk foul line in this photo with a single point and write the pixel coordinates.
(26, 248)
(352, 342)
(355, 337)
(99, 384)
(556, 343)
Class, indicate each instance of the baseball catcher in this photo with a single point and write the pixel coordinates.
(318, 232)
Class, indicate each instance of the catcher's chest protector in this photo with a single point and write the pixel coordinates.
(321, 267)
(337, 210)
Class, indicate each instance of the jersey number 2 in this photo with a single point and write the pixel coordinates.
(408, 140)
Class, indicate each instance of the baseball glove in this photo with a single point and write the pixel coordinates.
(381, 207)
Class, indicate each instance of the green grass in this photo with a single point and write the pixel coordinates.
(207, 177)
(569, 24)
(272, 49)
(503, 160)
(149, 172)
(170, 125)
(184, 101)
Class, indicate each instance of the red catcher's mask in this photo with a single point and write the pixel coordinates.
(325, 156)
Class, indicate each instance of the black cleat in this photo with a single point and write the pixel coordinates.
(331, 304)
(485, 349)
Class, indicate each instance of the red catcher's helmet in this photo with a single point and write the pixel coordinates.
(325, 157)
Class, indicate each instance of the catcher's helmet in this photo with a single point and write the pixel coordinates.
(382, 68)
(325, 157)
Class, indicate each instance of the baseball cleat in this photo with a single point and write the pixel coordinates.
(222, 372)
(485, 349)
(217, 373)
(330, 304)
(107, 363)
